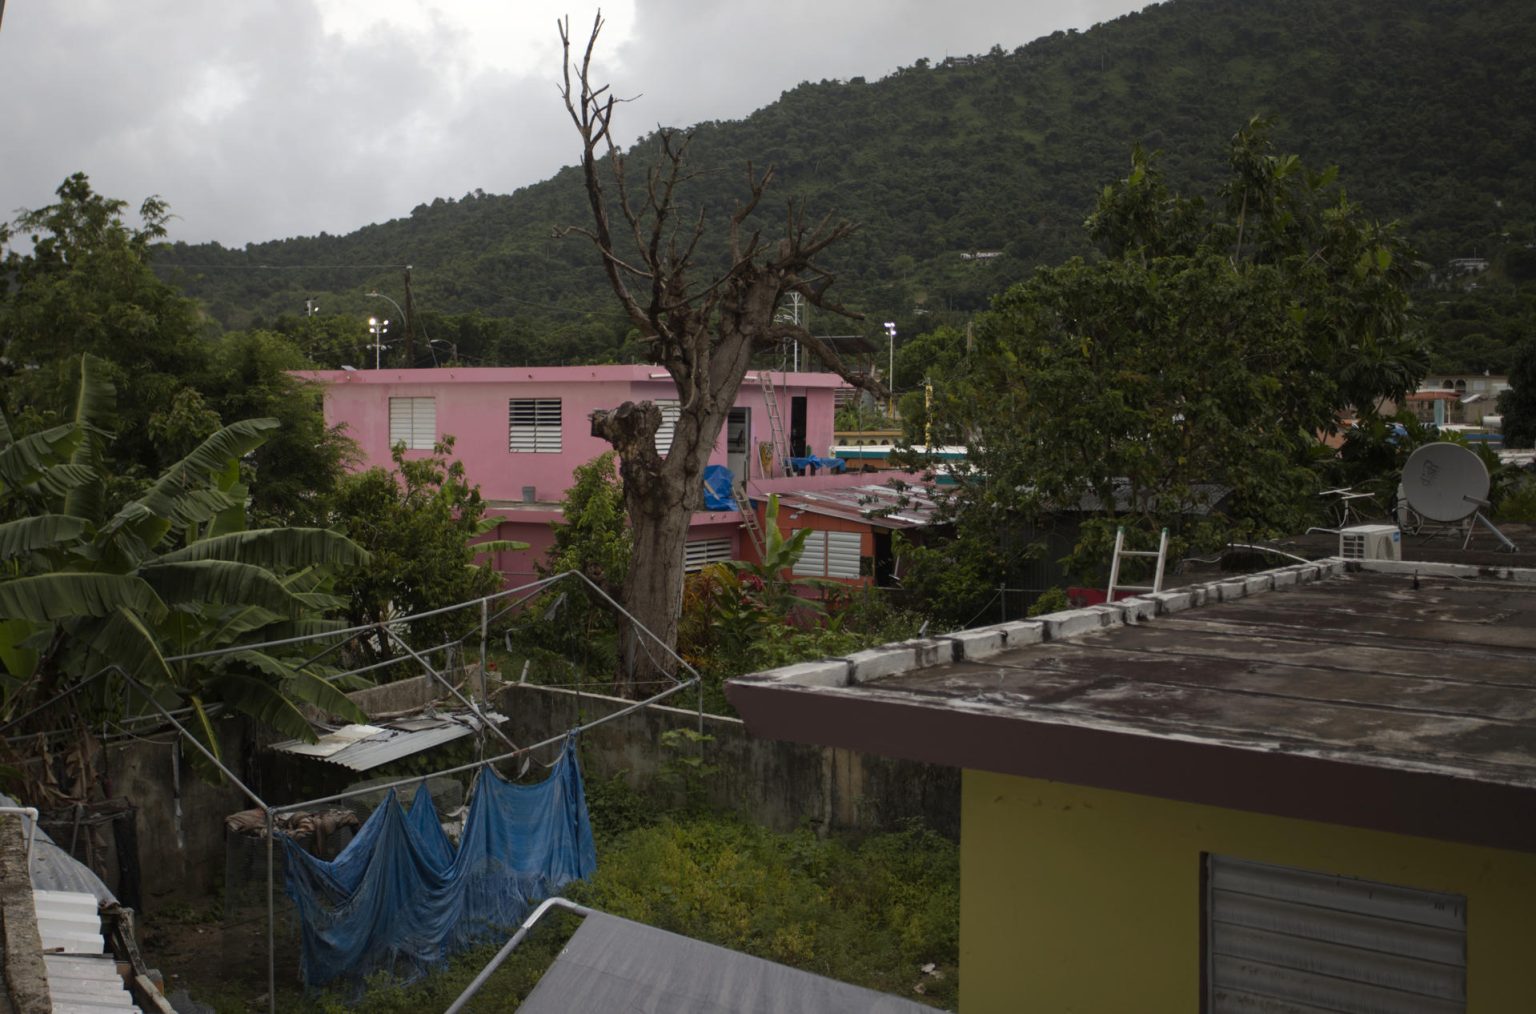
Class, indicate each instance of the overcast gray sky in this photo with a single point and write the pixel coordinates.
(264, 119)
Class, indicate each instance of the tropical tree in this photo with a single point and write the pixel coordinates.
(419, 523)
(701, 316)
(90, 600)
(86, 286)
(1518, 404)
(1190, 368)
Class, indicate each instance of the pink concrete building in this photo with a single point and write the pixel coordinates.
(521, 431)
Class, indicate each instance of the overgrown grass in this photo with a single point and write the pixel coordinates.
(872, 910)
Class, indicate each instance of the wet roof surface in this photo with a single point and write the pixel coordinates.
(1366, 665)
(1379, 699)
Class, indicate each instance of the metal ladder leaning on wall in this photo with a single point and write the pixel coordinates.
(1120, 552)
(749, 518)
(775, 423)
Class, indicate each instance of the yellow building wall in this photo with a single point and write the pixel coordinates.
(1084, 900)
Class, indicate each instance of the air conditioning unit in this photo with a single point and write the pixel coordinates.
(1371, 542)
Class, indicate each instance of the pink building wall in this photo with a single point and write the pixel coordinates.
(471, 404)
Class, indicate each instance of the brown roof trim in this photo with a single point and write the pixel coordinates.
(1308, 787)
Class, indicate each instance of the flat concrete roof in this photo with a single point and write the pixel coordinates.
(1400, 697)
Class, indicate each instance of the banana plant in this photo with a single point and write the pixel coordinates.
(170, 574)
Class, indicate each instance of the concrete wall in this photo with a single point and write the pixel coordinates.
(777, 784)
(21, 945)
(179, 855)
(1088, 900)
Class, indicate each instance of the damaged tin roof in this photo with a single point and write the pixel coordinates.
(365, 747)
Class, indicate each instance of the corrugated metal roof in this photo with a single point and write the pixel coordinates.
(877, 505)
(54, 869)
(365, 747)
(613, 964)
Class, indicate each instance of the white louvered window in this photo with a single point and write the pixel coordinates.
(829, 554)
(670, 410)
(533, 425)
(702, 552)
(413, 422)
(1282, 939)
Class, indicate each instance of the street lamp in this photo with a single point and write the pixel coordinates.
(377, 328)
(890, 378)
(454, 346)
(376, 294)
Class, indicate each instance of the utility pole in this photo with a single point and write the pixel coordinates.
(410, 322)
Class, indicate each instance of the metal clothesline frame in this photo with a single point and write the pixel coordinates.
(694, 680)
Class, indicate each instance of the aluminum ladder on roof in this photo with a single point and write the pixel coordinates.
(1120, 552)
(775, 423)
(749, 518)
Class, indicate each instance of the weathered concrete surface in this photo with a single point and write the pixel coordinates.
(26, 977)
(780, 785)
(1398, 702)
(191, 862)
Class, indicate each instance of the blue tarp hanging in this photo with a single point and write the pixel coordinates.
(400, 897)
(718, 494)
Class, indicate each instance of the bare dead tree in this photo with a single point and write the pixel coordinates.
(702, 326)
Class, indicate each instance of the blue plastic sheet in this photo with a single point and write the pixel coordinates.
(401, 897)
(718, 494)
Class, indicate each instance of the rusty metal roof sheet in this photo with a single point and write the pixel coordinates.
(882, 506)
(1399, 696)
(365, 747)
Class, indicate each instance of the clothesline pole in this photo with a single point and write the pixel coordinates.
(467, 702)
(631, 709)
(485, 633)
(271, 924)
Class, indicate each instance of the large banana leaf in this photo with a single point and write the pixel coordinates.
(221, 582)
(301, 685)
(95, 409)
(261, 700)
(207, 460)
(19, 659)
(29, 459)
(498, 546)
(123, 640)
(43, 531)
(275, 548)
(48, 597)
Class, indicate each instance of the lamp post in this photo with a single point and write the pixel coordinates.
(890, 378)
(432, 344)
(410, 321)
(377, 328)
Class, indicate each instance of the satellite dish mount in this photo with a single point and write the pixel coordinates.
(1447, 483)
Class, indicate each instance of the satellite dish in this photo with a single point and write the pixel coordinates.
(1445, 482)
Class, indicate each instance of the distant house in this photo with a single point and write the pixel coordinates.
(1280, 792)
(522, 431)
(1456, 399)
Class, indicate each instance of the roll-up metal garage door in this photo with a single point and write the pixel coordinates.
(1288, 941)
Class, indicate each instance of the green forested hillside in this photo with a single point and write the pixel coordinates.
(1426, 106)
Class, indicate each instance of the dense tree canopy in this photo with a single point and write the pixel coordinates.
(1424, 104)
(417, 522)
(86, 287)
(1189, 368)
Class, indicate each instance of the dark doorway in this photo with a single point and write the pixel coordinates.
(885, 558)
(797, 426)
